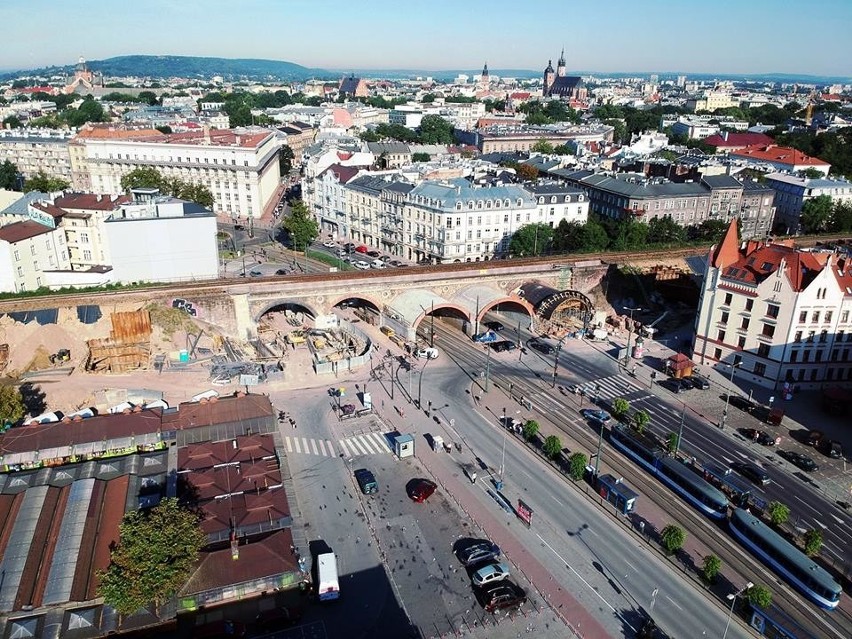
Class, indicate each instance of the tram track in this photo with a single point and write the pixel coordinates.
(714, 536)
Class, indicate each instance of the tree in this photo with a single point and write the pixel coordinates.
(813, 542)
(577, 466)
(420, 157)
(530, 429)
(759, 596)
(841, 217)
(620, 407)
(146, 177)
(436, 130)
(816, 213)
(630, 235)
(164, 128)
(527, 172)
(8, 176)
(149, 97)
(194, 192)
(154, 557)
(542, 146)
(12, 122)
(708, 231)
(711, 568)
(11, 404)
(531, 239)
(641, 419)
(552, 446)
(778, 513)
(300, 225)
(672, 442)
(664, 230)
(811, 173)
(285, 160)
(672, 538)
(44, 183)
(428, 98)
(619, 133)
(88, 111)
(564, 149)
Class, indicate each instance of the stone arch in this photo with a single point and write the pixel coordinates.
(518, 302)
(565, 310)
(294, 304)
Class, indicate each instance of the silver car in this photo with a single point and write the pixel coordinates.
(490, 574)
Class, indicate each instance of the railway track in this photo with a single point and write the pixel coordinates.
(714, 536)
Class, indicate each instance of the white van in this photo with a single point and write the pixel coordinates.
(328, 589)
(377, 264)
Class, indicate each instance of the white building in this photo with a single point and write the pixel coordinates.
(407, 115)
(33, 150)
(239, 166)
(792, 191)
(780, 316)
(83, 223)
(557, 201)
(162, 239)
(28, 250)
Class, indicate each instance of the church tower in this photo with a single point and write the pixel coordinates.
(560, 66)
(549, 77)
(484, 79)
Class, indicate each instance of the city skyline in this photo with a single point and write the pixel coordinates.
(750, 39)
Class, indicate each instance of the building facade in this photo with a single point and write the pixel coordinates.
(557, 84)
(779, 158)
(34, 150)
(779, 316)
(792, 191)
(28, 250)
(239, 166)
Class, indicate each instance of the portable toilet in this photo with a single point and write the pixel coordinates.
(403, 446)
(437, 443)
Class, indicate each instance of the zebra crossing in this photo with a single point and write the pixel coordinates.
(363, 444)
(612, 387)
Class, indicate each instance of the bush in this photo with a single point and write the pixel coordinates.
(641, 420)
(672, 538)
(620, 407)
(530, 429)
(552, 446)
(813, 542)
(577, 466)
(778, 513)
(759, 596)
(710, 569)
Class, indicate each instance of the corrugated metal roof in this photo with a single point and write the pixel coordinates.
(64, 561)
(18, 548)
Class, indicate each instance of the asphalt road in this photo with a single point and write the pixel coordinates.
(531, 378)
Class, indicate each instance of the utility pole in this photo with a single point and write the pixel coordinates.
(520, 346)
(629, 334)
(680, 430)
(728, 397)
(600, 447)
(476, 318)
(487, 366)
(432, 327)
(556, 363)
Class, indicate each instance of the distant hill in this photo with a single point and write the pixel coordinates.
(168, 66)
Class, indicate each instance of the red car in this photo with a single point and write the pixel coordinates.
(421, 489)
(361, 249)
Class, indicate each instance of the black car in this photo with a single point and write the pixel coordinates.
(373, 254)
(502, 346)
(494, 326)
(480, 551)
(759, 436)
(366, 481)
(281, 271)
(674, 385)
(800, 461)
(501, 595)
(541, 347)
(696, 381)
(751, 471)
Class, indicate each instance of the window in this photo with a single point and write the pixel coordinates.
(818, 356)
(797, 338)
(721, 336)
(728, 298)
(806, 356)
(763, 350)
(823, 337)
(844, 317)
(803, 317)
(717, 354)
(20, 272)
(725, 317)
(749, 305)
(741, 341)
(737, 359)
(772, 310)
(32, 249)
(794, 356)
(87, 255)
(811, 337)
(745, 323)
(17, 256)
(84, 238)
(759, 368)
(768, 330)
(828, 316)
(815, 317)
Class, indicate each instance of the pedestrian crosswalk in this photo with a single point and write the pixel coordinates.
(612, 387)
(363, 444)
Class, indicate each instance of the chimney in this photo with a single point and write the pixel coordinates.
(207, 134)
(725, 136)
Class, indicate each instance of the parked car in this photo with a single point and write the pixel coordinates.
(673, 385)
(696, 381)
(378, 264)
(599, 416)
(800, 461)
(751, 471)
(329, 244)
(361, 264)
(361, 249)
(421, 490)
(396, 263)
(502, 346)
(255, 273)
(490, 573)
(478, 552)
(486, 337)
(541, 347)
(493, 326)
(501, 595)
(815, 438)
(281, 271)
(835, 450)
(366, 481)
(759, 436)
(426, 353)
(385, 258)
(374, 254)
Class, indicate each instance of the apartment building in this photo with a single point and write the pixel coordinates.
(556, 201)
(83, 223)
(239, 166)
(33, 150)
(792, 191)
(779, 158)
(780, 316)
(718, 197)
(28, 249)
(501, 137)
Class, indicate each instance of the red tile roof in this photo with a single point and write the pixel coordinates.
(758, 261)
(343, 173)
(54, 211)
(778, 154)
(20, 231)
(728, 250)
(91, 201)
(738, 140)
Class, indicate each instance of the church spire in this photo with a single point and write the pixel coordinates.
(485, 71)
(561, 62)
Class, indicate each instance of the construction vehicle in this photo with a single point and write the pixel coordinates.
(61, 356)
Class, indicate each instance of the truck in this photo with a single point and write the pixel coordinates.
(328, 588)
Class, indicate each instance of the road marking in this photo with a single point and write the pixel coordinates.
(296, 441)
(330, 447)
(314, 446)
(807, 504)
(357, 445)
(365, 442)
(382, 441)
(837, 519)
(556, 500)
(632, 567)
(346, 453)
(674, 602)
(322, 448)
(820, 524)
(289, 445)
(307, 448)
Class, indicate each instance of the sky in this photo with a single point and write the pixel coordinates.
(707, 36)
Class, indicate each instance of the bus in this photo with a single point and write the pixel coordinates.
(814, 581)
(327, 587)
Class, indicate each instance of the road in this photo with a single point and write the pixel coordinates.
(532, 378)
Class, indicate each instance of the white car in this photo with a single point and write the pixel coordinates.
(490, 573)
(329, 244)
(426, 353)
(376, 264)
(361, 264)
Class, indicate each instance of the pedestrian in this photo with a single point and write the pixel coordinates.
(473, 478)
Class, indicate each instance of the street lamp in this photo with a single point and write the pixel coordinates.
(556, 362)
(733, 599)
(728, 396)
(680, 430)
(629, 333)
